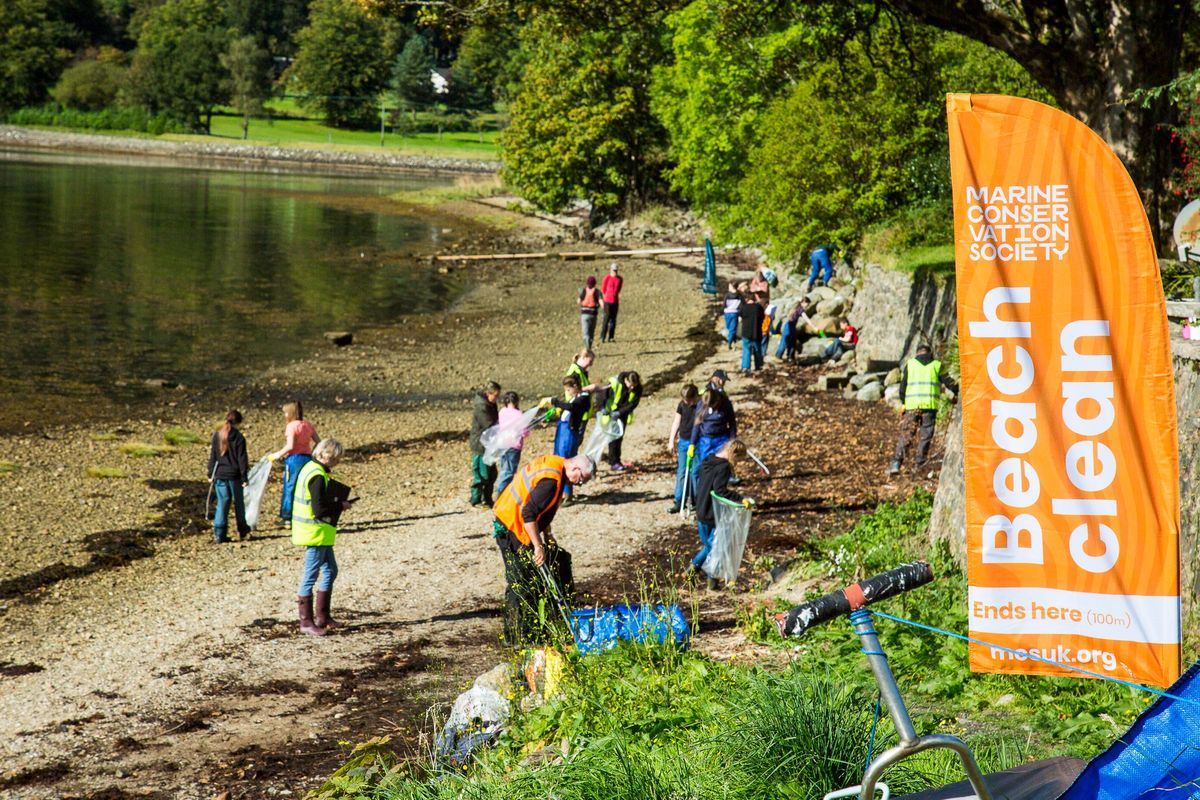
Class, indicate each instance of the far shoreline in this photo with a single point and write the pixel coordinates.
(235, 156)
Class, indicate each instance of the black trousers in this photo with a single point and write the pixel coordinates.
(530, 614)
(608, 328)
(919, 422)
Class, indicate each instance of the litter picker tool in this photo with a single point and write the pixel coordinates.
(208, 498)
(758, 461)
(687, 480)
(555, 594)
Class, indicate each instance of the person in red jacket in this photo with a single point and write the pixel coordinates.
(589, 303)
(610, 290)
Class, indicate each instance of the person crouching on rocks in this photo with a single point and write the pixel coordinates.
(318, 504)
(228, 468)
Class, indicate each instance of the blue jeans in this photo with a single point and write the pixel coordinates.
(705, 447)
(681, 472)
(820, 261)
(229, 490)
(291, 471)
(508, 468)
(783, 339)
(315, 558)
(835, 349)
(566, 445)
(752, 346)
(731, 327)
(707, 532)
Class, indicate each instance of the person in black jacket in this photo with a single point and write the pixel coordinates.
(484, 414)
(228, 468)
(715, 472)
(752, 313)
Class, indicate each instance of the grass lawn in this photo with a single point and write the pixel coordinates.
(293, 132)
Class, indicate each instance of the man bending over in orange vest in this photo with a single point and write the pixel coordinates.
(524, 513)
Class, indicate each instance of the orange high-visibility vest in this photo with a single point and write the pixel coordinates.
(590, 297)
(512, 500)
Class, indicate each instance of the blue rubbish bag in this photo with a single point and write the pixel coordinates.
(597, 630)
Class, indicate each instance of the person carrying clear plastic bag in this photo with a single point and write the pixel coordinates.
(722, 538)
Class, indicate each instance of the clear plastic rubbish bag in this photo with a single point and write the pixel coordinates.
(499, 438)
(729, 540)
(601, 435)
(256, 486)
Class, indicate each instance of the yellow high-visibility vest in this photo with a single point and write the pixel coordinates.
(307, 530)
(923, 385)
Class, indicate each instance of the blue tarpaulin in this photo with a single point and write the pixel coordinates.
(599, 629)
(1158, 757)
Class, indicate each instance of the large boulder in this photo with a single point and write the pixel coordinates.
(819, 293)
(814, 347)
(893, 378)
(833, 307)
(870, 393)
(861, 380)
(827, 324)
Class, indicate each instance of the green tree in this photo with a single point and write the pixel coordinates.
(411, 76)
(31, 57)
(1093, 56)
(341, 62)
(92, 84)
(492, 59)
(249, 69)
(581, 125)
(177, 67)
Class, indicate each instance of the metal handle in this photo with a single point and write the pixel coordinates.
(879, 587)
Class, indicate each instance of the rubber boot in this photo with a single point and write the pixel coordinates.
(321, 616)
(305, 607)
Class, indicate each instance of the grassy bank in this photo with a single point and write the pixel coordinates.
(646, 722)
(287, 127)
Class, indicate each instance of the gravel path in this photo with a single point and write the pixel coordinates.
(138, 659)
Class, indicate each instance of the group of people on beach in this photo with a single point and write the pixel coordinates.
(525, 500)
(311, 503)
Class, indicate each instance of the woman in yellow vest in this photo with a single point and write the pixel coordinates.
(316, 508)
(524, 513)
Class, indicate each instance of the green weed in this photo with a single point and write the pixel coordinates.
(105, 472)
(106, 436)
(7, 467)
(178, 436)
(144, 450)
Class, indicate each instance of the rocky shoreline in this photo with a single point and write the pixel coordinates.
(236, 155)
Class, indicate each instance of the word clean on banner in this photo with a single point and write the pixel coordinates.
(1068, 400)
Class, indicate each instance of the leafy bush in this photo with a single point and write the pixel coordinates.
(921, 225)
(90, 85)
(113, 118)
